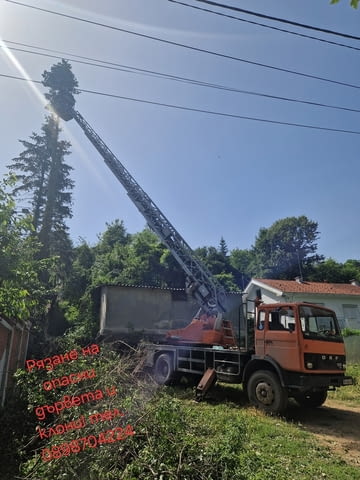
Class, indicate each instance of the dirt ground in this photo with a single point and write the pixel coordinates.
(336, 425)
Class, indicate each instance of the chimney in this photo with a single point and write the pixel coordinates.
(355, 283)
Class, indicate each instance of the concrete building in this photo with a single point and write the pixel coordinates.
(132, 313)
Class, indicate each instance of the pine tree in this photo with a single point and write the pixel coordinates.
(223, 248)
(57, 208)
(44, 185)
(31, 169)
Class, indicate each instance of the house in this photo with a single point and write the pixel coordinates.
(14, 337)
(343, 298)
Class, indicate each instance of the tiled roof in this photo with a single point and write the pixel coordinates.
(293, 286)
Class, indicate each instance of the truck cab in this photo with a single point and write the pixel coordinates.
(300, 345)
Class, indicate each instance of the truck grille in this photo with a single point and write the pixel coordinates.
(322, 361)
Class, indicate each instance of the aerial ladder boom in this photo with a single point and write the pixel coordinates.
(203, 286)
(209, 294)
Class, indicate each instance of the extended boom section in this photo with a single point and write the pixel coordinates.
(203, 286)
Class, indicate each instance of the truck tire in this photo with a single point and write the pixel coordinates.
(311, 399)
(163, 369)
(265, 392)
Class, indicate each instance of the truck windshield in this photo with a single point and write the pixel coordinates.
(317, 323)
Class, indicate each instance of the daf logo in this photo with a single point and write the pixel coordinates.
(323, 357)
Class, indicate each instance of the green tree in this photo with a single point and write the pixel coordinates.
(243, 263)
(335, 272)
(227, 280)
(287, 249)
(218, 263)
(21, 291)
(79, 277)
(352, 270)
(173, 275)
(139, 259)
(223, 248)
(143, 262)
(110, 254)
(58, 192)
(115, 234)
(63, 86)
(214, 259)
(31, 169)
(44, 177)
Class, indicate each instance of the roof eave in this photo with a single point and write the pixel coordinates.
(276, 291)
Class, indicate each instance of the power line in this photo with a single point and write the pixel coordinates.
(189, 47)
(252, 22)
(14, 77)
(277, 19)
(152, 73)
(198, 110)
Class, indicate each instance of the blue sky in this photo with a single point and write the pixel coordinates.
(212, 176)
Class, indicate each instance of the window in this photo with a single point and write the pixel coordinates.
(282, 319)
(261, 320)
(318, 323)
(351, 316)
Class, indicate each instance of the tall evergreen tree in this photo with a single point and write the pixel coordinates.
(44, 185)
(31, 168)
(57, 208)
(223, 248)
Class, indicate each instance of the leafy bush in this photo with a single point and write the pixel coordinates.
(349, 332)
(171, 441)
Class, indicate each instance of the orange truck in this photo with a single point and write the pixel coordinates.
(303, 357)
(287, 350)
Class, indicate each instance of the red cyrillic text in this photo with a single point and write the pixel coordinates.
(69, 379)
(60, 429)
(105, 416)
(49, 363)
(94, 418)
(68, 402)
(91, 350)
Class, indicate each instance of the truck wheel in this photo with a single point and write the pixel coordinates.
(311, 399)
(265, 392)
(163, 369)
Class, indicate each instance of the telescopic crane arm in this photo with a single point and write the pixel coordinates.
(207, 327)
(203, 286)
(206, 290)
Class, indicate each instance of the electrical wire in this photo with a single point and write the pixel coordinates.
(252, 22)
(277, 19)
(129, 69)
(208, 112)
(188, 47)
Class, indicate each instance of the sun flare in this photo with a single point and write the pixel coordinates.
(22, 72)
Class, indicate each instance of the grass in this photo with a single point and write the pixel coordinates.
(272, 448)
(350, 394)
